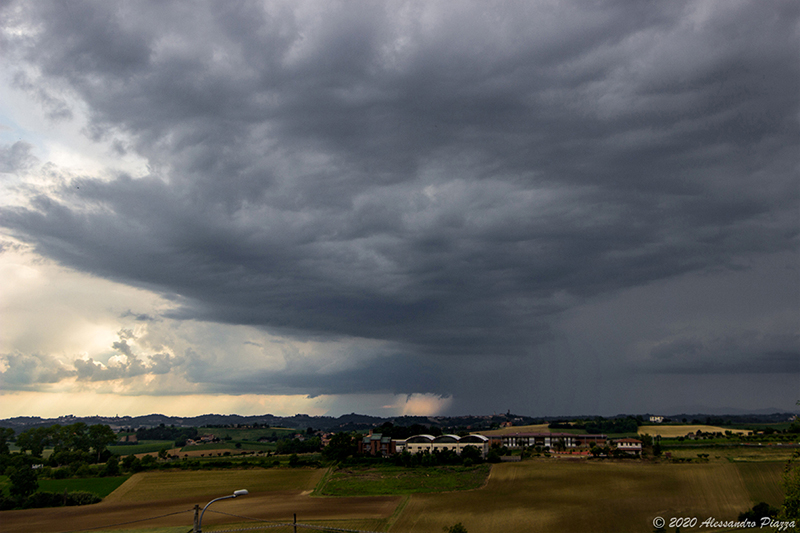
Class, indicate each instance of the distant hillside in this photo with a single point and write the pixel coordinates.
(355, 422)
(350, 422)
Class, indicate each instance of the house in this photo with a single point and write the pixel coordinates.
(631, 446)
(656, 419)
(204, 439)
(377, 444)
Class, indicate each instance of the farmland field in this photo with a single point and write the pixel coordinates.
(145, 446)
(251, 434)
(275, 494)
(537, 428)
(102, 486)
(669, 431)
(735, 454)
(588, 496)
(163, 485)
(371, 481)
(557, 495)
(761, 480)
(230, 446)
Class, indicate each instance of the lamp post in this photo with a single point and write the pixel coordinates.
(198, 521)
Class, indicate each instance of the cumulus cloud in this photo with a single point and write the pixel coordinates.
(28, 371)
(436, 181)
(126, 363)
(16, 157)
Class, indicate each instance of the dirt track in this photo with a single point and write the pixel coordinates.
(265, 505)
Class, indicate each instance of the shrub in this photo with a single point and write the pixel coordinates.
(84, 470)
(759, 511)
(55, 499)
(82, 498)
(60, 473)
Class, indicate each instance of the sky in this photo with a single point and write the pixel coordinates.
(431, 208)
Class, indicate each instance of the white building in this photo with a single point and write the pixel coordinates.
(631, 446)
(429, 443)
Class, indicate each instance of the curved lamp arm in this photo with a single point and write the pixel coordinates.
(236, 493)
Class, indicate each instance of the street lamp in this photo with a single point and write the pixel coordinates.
(198, 522)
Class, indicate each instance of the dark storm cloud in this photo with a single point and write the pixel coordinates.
(443, 177)
(744, 353)
(394, 375)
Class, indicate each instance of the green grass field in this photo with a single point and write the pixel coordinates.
(102, 486)
(145, 446)
(247, 434)
(384, 480)
(230, 445)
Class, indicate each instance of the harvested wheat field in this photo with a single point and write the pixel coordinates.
(274, 495)
(554, 496)
(681, 431)
(537, 428)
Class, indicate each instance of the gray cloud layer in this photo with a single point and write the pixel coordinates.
(444, 177)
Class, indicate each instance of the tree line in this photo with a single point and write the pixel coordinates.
(75, 447)
(599, 425)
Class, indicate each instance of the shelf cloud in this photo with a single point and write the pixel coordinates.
(447, 202)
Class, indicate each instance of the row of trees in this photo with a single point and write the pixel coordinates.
(75, 447)
(162, 432)
(75, 442)
(600, 425)
(294, 446)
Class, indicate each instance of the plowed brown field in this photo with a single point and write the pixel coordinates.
(266, 505)
(145, 499)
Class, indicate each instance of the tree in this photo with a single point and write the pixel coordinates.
(759, 511)
(341, 446)
(100, 436)
(35, 440)
(6, 434)
(657, 449)
(455, 528)
(791, 489)
(471, 453)
(112, 467)
(23, 478)
(73, 437)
